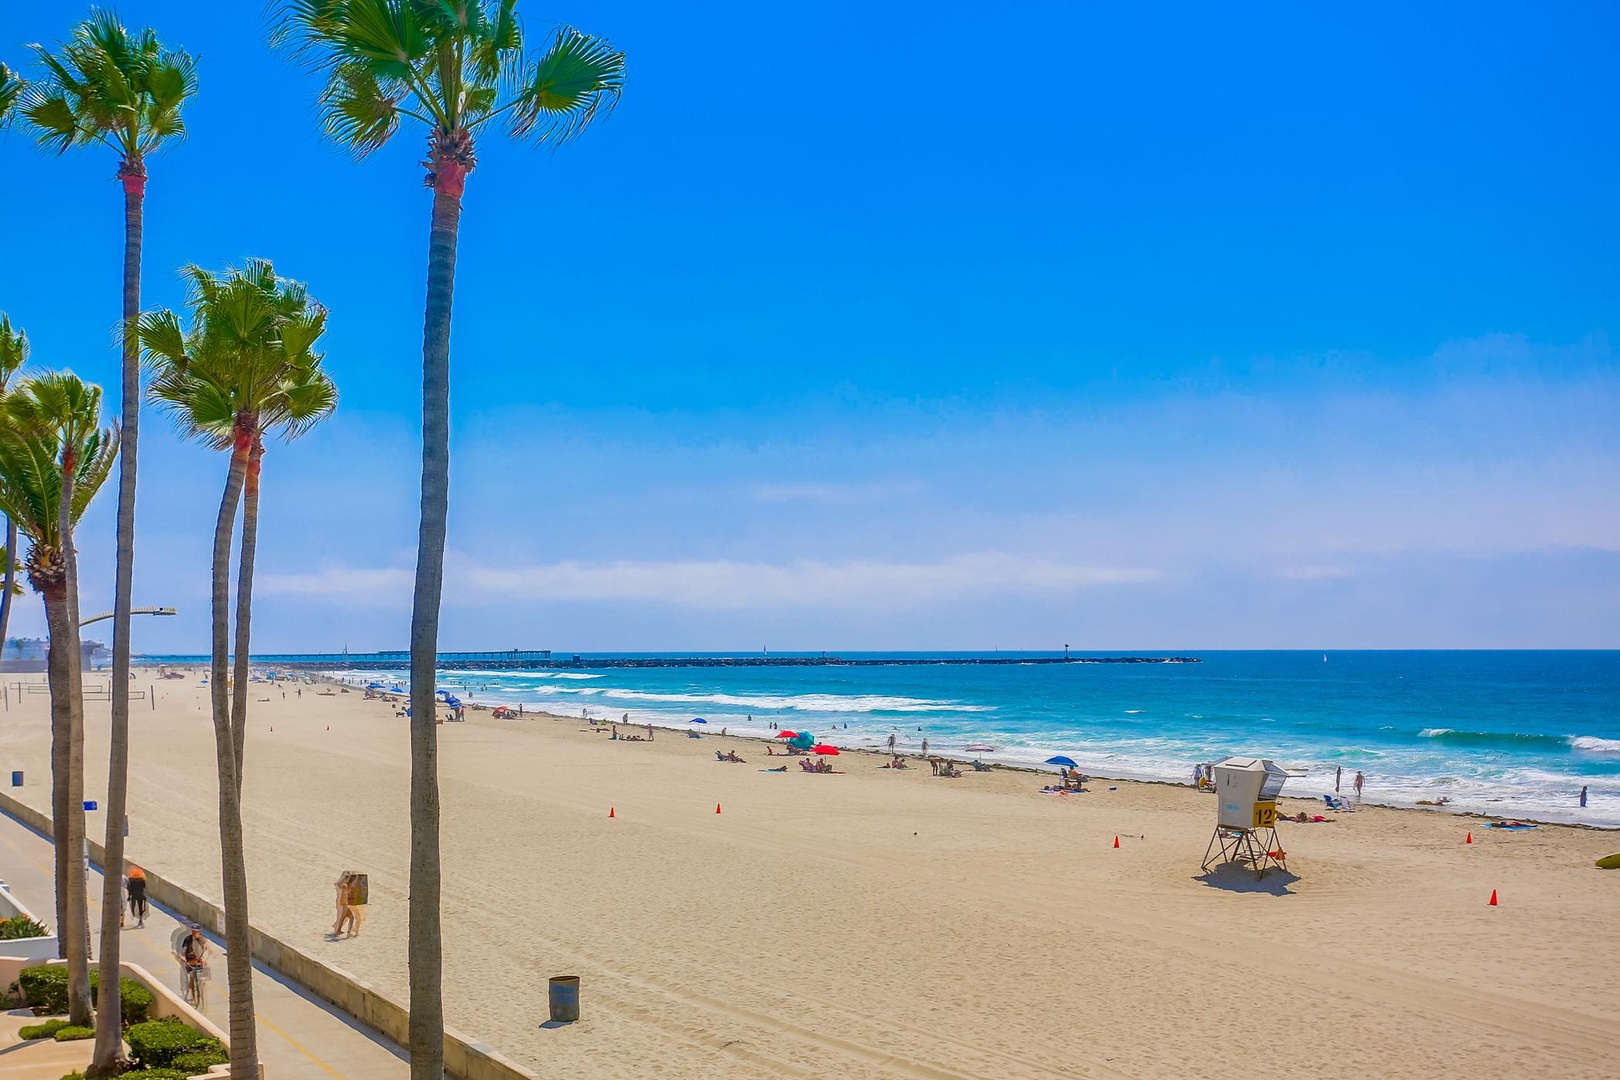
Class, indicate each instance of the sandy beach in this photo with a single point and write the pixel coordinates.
(879, 924)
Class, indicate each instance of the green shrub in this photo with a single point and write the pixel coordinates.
(71, 1033)
(199, 1061)
(74, 1076)
(152, 1074)
(21, 926)
(156, 1043)
(134, 999)
(45, 988)
(47, 1030)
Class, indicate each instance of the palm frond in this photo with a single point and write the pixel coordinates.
(576, 80)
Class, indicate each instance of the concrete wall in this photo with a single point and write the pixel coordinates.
(463, 1058)
(35, 949)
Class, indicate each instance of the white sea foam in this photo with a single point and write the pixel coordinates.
(1433, 732)
(825, 703)
(1594, 744)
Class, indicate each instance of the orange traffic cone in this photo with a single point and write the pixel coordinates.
(1493, 899)
(717, 808)
(1470, 839)
(610, 811)
(1116, 841)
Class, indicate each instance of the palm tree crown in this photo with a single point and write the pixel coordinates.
(107, 84)
(248, 364)
(454, 66)
(13, 352)
(10, 87)
(46, 420)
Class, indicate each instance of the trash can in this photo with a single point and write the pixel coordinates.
(16, 778)
(564, 999)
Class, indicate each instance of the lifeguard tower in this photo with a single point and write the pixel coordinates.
(1246, 791)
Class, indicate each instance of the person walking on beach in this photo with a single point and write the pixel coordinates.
(1338, 774)
(925, 748)
(345, 913)
(1583, 796)
(1358, 785)
(891, 742)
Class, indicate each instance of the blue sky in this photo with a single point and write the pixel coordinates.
(918, 326)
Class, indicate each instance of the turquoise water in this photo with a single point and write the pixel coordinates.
(1514, 733)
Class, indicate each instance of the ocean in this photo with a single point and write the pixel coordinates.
(1511, 733)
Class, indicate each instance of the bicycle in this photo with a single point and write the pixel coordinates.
(192, 988)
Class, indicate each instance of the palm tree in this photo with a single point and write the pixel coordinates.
(10, 86)
(54, 457)
(455, 66)
(13, 355)
(124, 90)
(248, 365)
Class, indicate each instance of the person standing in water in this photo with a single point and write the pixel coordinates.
(1338, 774)
(1358, 785)
(1583, 796)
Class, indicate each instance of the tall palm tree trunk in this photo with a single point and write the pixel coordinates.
(10, 581)
(61, 669)
(104, 1061)
(425, 949)
(244, 602)
(65, 631)
(233, 858)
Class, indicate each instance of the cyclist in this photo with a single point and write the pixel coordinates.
(193, 954)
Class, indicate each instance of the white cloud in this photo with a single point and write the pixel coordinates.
(720, 584)
(836, 493)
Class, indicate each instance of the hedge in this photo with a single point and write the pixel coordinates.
(47, 1030)
(72, 1033)
(148, 1074)
(45, 988)
(156, 1043)
(198, 1062)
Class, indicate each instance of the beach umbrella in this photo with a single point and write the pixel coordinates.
(1061, 760)
(803, 740)
(787, 734)
(698, 720)
(452, 701)
(825, 749)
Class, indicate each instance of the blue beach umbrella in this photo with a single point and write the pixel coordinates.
(698, 720)
(803, 741)
(452, 701)
(1061, 760)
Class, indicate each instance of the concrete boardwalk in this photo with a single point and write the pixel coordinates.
(300, 1037)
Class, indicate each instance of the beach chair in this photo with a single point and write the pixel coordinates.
(979, 766)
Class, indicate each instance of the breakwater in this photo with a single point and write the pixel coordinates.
(529, 661)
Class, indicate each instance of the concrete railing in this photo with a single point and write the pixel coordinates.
(34, 948)
(463, 1058)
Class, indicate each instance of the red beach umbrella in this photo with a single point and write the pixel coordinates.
(825, 749)
(787, 734)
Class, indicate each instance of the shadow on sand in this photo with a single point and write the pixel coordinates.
(1238, 878)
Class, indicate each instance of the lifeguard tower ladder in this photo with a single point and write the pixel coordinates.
(1246, 821)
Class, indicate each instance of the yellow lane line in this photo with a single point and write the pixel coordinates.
(298, 1046)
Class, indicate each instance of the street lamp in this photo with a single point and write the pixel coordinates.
(132, 611)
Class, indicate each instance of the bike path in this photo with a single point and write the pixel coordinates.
(300, 1037)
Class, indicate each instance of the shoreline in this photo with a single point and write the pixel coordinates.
(996, 762)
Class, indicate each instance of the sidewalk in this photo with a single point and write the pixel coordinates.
(300, 1037)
